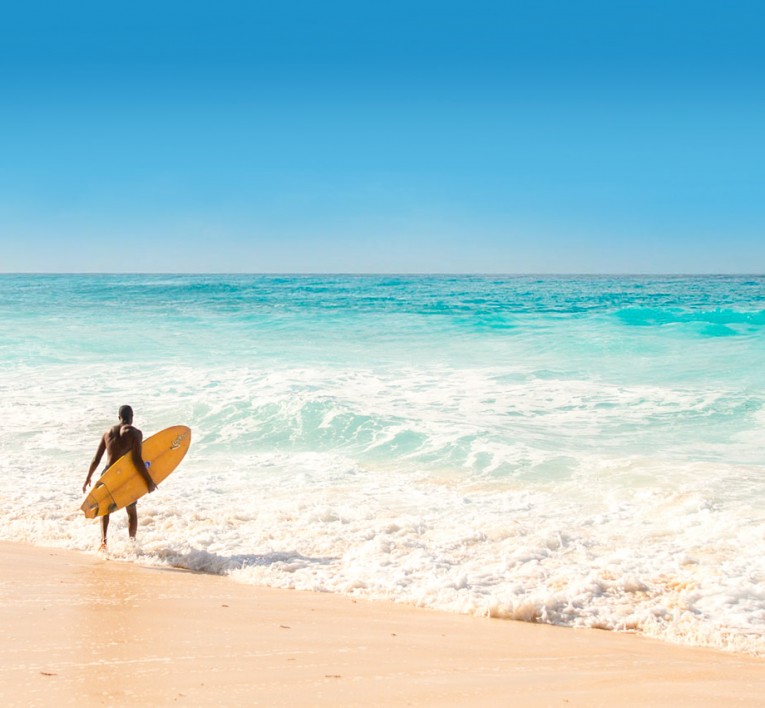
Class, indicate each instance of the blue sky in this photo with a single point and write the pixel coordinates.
(382, 137)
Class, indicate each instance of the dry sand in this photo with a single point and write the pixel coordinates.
(82, 630)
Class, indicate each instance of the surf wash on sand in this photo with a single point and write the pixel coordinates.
(578, 451)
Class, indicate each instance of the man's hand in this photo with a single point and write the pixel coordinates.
(86, 485)
(147, 477)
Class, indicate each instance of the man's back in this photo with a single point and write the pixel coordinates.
(120, 439)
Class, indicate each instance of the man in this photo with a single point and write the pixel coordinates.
(117, 441)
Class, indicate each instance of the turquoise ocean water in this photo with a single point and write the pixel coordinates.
(580, 451)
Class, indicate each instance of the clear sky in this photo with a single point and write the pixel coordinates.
(502, 137)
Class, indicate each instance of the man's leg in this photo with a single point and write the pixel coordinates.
(104, 527)
(132, 519)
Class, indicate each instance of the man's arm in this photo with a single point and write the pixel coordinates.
(99, 454)
(138, 460)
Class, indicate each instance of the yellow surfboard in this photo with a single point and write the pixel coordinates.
(122, 483)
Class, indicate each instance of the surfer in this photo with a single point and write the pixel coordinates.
(117, 441)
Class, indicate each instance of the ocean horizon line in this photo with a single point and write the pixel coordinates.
(394, 274)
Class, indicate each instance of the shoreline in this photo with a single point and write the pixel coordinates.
(79, 629)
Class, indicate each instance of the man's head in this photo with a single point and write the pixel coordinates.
(126, 414)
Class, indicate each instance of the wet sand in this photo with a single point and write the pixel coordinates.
(80, 629)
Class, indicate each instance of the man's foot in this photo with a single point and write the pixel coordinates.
(102, 547)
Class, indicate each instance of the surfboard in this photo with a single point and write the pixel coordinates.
(122, 483)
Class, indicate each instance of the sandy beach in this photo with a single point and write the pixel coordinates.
(82, 630)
